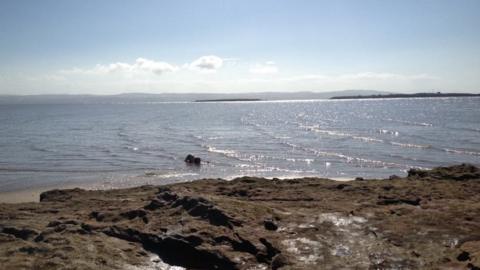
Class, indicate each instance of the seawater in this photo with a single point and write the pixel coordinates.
(119, 145)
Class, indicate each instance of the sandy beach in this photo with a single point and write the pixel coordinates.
(427, 220)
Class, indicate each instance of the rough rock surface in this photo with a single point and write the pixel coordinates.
(428, 220)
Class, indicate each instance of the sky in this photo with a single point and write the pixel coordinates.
(111, 47)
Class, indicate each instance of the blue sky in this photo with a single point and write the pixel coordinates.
(107, 47)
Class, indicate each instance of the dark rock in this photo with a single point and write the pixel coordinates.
(189, 158)
(464, 256)
(278, 262)
(54, 223)
(472, 267)
(238, 193)
(59, 195)
(241, 244)
(342, 186)
(269, 252)
(168, 196)
(270, 225)
(387, 187)
(200, 207)
(197, 161)
(24, 234)
(459, 173)
(31, 250)
(387, 201)
(86, 227)
(246, 179)
(134, 214)
(359, 179)
(71, 222)
(393, 177)
(105, 216)
(154, 204)
(175, 250)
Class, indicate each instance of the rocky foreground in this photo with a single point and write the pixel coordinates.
(428, 220)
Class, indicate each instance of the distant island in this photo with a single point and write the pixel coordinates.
(227, 100)
(417, 95)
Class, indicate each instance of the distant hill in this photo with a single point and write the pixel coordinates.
(417, 95)
(153, 98)
(228, 100)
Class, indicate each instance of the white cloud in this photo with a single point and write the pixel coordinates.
(268, 67)
(208, 63)
(141, 65)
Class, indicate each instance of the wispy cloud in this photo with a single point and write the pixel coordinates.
(268, 67)
(141, 65)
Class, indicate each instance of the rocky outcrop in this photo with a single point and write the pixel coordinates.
(460, 172)
(428, 220)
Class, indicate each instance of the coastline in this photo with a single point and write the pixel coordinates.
(429, 219)
(33, 195)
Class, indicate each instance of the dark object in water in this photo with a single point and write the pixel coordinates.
(197, 161)
(190, 159)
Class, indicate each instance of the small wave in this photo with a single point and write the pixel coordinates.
(353, 160)
(20, 169)
(411, 145)
(464, 152)
(465, 129)
(221, 151)
(412, 123)
(132, 148)
(38, 148)
(389, 132)
(215, 138)
(341, 134)
(169, 175)
(306, 160)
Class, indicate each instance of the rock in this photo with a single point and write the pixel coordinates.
(23, 233)
(175, 249)
(60, 195)
(359, 179)
(278, 262)
(54, 223)
(238, 193)
(134, 214)
(472, 267)
(388, 200)
(393, 177)
(190, 159)
(464, 256)
(342, 186)
(168, 196)
(269, 252)
(197, 161)
(216, 224)
(154, 204)
(270, 225)
(31, 250)
(200, 207)
(458, 172)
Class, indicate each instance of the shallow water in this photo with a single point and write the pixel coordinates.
(119, 145)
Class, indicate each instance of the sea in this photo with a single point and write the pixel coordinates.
(116, 145)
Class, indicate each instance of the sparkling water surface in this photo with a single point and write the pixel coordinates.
(119, 145)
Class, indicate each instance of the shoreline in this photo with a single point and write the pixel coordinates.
(429, 219)
(33, 195)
